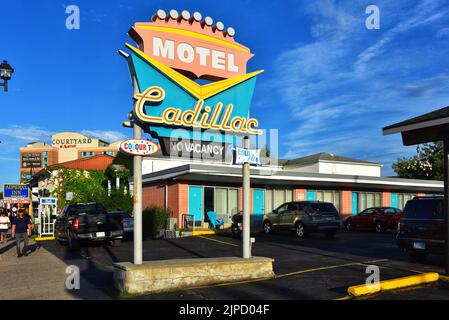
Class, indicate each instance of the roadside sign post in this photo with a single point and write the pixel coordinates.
(246, 157)
(137, 196)
(246, 201)
(446, 199)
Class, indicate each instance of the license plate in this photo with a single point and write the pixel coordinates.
(100, 234)
(419, 245)
(328, 218)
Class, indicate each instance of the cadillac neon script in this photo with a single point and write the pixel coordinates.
(200, 116)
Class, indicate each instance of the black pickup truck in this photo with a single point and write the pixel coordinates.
(87, 222)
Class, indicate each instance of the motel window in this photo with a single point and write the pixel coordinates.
(233, 201)
(275, 197)
(87, 154)
(226, 202)
(329, 196)
(369, 199)
(403, 198)
(221, 201)
(109, 153)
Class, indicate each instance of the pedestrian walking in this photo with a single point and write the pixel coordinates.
(4, 225)
(21, 229)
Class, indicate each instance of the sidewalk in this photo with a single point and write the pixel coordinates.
(40, 275)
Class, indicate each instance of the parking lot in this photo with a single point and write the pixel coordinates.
(311, 268)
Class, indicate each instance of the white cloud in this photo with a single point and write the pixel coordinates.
(106, 135)
(28, 134)
(349, 82)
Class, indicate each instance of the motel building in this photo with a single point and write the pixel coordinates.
(190, 188)
(65, 147)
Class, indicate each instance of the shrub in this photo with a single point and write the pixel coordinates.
(154, 218)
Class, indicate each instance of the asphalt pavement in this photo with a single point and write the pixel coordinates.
(311, 268)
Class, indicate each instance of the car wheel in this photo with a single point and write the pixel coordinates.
(418, 256)
(300, 230)
(330, 234)
(73, 243)
(349, 225)
(379, 227)
(267, 227)
(62, 242)
(115, 242)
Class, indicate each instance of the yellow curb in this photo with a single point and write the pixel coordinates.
(363, 289)
(202, 232)
(44, 238)
(444, 278)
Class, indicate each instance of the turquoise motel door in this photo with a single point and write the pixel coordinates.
(258, 206)
(355, 203)
(311, 195)
(394, 200)
(196, 202)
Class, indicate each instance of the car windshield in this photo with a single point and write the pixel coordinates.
(125, 214)
(322, 207)
(91, 208)
(424, 209)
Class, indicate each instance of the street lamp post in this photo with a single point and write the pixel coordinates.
(6, 72)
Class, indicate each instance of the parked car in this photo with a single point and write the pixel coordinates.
(379, 219)
(87, 222)
(422, 227)
(126, 218)
(303, 217)
(237, 225)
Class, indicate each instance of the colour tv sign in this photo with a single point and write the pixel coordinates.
(174, 51)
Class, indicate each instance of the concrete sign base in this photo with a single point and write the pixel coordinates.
(178, 274)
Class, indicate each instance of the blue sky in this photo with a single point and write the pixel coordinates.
(330, 84)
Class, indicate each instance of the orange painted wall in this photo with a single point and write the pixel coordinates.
(251, 201)
(153, 195)
(300, 194)
(346, 202)
(173, 200)
(386, 199)
(177, 198)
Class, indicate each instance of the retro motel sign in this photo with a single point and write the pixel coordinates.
(173, 50)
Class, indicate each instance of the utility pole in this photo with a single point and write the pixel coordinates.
(446, 200)
(246, 200)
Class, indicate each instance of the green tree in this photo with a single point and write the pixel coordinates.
(124, 159)
(428, 163)
(86, 186)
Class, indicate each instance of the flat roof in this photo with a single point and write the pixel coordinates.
(228, 174)
(430, 119)
(324, 156)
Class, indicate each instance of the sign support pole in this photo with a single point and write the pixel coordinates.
(446, 200)
(137, 193)
(246, 201)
